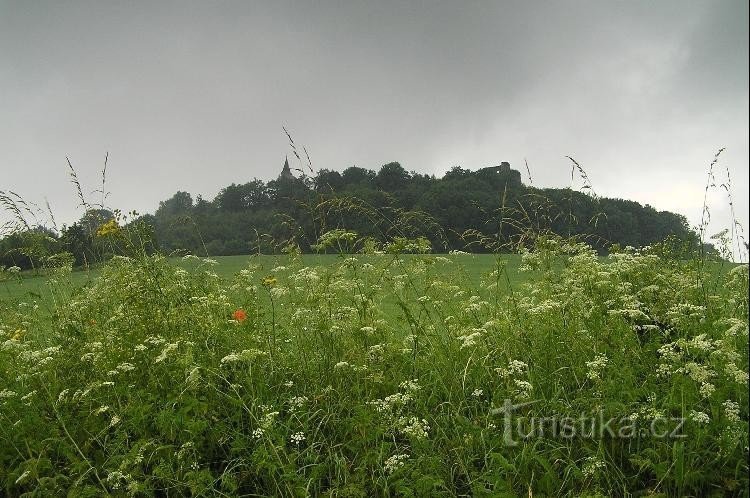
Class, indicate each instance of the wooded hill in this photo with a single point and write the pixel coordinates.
(490, 209)
(477, 211)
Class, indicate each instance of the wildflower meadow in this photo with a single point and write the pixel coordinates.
(380, 374)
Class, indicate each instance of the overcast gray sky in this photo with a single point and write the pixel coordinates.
(192, 95)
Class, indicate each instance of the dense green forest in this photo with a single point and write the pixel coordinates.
(490, 209)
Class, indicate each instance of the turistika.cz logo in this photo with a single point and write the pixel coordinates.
(519, 427)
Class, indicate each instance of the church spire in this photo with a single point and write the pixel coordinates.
(286, 172)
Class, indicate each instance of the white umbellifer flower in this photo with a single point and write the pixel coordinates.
(62, 395)
(410, 386)
(734, 373)
(125, 367)
(663, 370)
(340, 365)
(592, 466)
(279, 291)
(297, 438)
(699, 417)
(258, 433)
(515, 367)
(471, 339)
(414, 427)
(367, 330)
(731, 410)
(230, 358)
(477, 393)
(268, 419)
(165, 352)
(101, 410)
(7, 393)
(298, 402)
(707, 389)
(394, 462)
(596, 366)
(523, 389)
(699, 373)
(289, 383)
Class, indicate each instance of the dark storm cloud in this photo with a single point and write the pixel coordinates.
(192, 95)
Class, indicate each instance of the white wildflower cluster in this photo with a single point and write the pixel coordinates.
(592, 467)
(278, 291)
(543, 307)
(367, 330)
(522, 389)
(736, 374)
(648, 412)
(530, 261)
(121, 368)
(391, 402)
(193, 378)
(682, 314)
(298, 402)
(305, 278)
(118, 480)
(699, 343)
(477, 393)
(514, 374)
(101, 409)
(246, 355)
(414, 427)
(166, 351)
(514, 368)
(596, 366)
(40, 358)
(375, 352)
(395, 462)
(471, 337)
(475, 303)
(700, 418)
(736, 328)
(699, 373)
(731, 411)
(298, 438)
(410, 386)
(80, 395)
(707, 389)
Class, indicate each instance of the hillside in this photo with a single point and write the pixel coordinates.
(486, 210)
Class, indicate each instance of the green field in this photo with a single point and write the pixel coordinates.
(32, 286)
(410, 375)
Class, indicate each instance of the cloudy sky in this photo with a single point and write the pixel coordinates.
(193, 95)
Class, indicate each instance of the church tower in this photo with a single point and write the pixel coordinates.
(286, 173)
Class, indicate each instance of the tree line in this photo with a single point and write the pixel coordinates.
(490, 209)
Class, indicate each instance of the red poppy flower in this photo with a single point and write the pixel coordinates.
(239, 315)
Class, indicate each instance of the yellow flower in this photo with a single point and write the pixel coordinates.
(269, 281)
(109, 228)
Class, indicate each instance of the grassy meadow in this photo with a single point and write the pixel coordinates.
(35, 286)
(554, 372)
